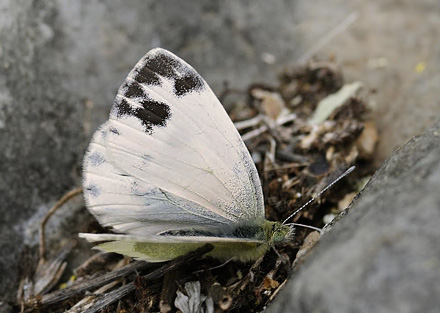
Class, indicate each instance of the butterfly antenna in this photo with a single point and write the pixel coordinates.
(320, 193)
(305, 226)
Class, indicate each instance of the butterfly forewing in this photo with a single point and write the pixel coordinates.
(168, 130)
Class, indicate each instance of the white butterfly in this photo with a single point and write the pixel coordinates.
(169, 171)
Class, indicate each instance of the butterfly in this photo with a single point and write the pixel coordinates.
(169, 172)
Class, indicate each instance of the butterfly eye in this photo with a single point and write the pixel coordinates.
(280, 232)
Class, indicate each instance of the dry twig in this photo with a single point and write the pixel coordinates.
(57, 205)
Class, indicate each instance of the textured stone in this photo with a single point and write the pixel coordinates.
(40, 127)
(383, 256)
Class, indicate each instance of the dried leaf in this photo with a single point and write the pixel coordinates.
(269, 283)
(329, 104)
(194, 302)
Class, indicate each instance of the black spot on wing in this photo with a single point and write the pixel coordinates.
(185, 79)
(188, 83)
(122, 108)
(133, 90)
(144, 75)
(151, 113)
(163, 64)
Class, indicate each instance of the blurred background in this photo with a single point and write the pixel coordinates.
(61, 63)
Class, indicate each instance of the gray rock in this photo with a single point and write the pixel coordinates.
(41, 136)
(384, 255)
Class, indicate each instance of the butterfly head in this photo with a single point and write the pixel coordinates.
(277, 232)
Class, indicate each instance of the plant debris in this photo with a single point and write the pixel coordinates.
(302, 134)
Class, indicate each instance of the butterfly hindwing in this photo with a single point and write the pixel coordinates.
(132, 206)
(164, 248)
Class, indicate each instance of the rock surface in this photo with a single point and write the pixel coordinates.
(383, 256)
